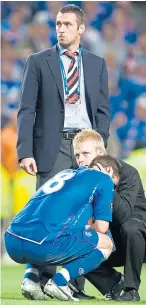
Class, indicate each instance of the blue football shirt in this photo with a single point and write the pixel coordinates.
(64, 203)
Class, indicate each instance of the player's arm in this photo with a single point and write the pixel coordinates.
(103, 197)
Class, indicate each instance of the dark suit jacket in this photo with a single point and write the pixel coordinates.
(41, 112)
(129, 198)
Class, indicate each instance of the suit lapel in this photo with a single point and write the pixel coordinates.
(54, 64)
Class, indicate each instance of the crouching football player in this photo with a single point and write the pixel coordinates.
(50, 229)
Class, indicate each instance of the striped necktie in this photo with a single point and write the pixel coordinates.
(72, 79)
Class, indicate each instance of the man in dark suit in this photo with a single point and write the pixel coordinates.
(64, 90)
(129, 233)
(128, 227)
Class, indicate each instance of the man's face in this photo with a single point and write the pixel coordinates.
(85, 153)
(67, 29)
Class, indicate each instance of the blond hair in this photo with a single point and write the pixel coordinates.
(89, 135)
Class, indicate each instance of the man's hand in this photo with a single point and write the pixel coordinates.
(100, 226)
(29, 165)
(87, 227)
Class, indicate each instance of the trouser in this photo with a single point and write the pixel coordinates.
(65, 160)
(130, 241)
(58, 250)
(76, 251)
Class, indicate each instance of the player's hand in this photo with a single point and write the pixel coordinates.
(87, 227)
(108, 170)
(29, 165)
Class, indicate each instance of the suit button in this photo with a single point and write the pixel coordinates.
(61, 130)
(62, 110)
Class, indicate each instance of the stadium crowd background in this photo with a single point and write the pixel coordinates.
(112, 31)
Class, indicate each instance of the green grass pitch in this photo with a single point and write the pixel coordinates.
(11, 294)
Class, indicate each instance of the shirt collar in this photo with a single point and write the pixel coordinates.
(81, 167)
(62, 50)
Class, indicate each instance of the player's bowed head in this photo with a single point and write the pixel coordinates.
(108, 165)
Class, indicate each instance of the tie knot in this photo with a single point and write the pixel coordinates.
(71, 55)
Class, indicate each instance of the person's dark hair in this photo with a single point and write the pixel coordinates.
(71, 8)
(107, 161)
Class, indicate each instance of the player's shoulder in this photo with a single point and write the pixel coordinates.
(92, 173)
(99, 174)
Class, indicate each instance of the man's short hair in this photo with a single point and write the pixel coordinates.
(88, 135)
(71, 8)
(107, 161)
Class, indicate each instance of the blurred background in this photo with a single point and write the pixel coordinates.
(115, 31)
